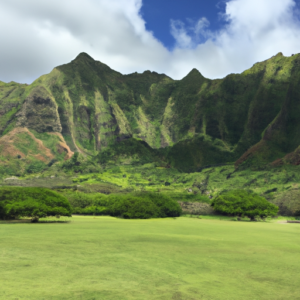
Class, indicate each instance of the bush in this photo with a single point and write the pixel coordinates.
(35, 167)
(243, 203)
(90, 210)
(80, 164)
(130, 207)
(32, 202)
(88, 204)
(167, 206)
(143, 206)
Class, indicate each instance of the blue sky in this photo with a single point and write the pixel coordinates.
(159, 13)
(166, 36)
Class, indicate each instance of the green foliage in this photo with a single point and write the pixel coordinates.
(32, 202)
(88, 204)
(167, 206)
(193, 154)
(279, 185)
(140, 205)
(80, 164)
(131, 207)
(13, 167)
(139, 152)
(210, 122)
(35, 166)
(244, 203)
(143, 206)
(91, 210)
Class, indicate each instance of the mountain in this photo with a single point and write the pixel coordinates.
(249, 119)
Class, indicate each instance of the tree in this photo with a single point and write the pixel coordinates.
(32, 202)
(244, 203)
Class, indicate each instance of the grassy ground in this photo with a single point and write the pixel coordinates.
(183, 258)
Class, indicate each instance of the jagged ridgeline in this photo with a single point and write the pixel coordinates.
(84, 106)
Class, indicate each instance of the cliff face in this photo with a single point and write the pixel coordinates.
(251, 116)
(39, 112)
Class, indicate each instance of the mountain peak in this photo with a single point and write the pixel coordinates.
(194, 73)
(84, 56)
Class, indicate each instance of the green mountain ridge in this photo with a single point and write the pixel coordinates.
(249, 119)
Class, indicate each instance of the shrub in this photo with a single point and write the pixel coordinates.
(244, 203)
(35, 167)
(130, 207)
(167, 206)
(90, 210)
(143, 206)
(79, 200)
(80, 164)
(32, 202)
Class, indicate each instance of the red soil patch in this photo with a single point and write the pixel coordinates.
(62, 146)
(291, 158)
(256, 148)
(9, 150)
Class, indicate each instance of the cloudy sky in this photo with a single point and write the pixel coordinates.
(217, 37)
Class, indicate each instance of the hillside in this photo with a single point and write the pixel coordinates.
(249, 119)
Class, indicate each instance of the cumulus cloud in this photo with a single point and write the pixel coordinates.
(38, 35)
(191, 35)
(255, 30)
(179, 32)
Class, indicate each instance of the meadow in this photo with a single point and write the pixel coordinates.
(174, 258)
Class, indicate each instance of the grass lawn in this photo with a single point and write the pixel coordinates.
(183, 258)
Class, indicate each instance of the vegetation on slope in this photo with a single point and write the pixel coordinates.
(250, 118)
(115, 124)
(130, 151)
(24, 152)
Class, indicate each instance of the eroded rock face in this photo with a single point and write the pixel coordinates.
(39, 112)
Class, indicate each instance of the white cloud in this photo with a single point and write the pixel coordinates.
(38, 35)
(255, 31)
(180, 34)
(189, 37)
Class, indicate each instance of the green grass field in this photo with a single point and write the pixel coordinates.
(183, 258)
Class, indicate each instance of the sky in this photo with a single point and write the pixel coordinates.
(166, 36)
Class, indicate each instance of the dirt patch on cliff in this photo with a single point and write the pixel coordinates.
(62, 145)
(10, 145)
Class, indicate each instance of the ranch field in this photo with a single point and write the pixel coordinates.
(183, 258)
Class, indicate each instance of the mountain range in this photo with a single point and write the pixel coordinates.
(249, 119)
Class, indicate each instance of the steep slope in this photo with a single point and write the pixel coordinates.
(250, 118)
(23, 150)
(252, 115)
(281, 135)
(10, 103)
